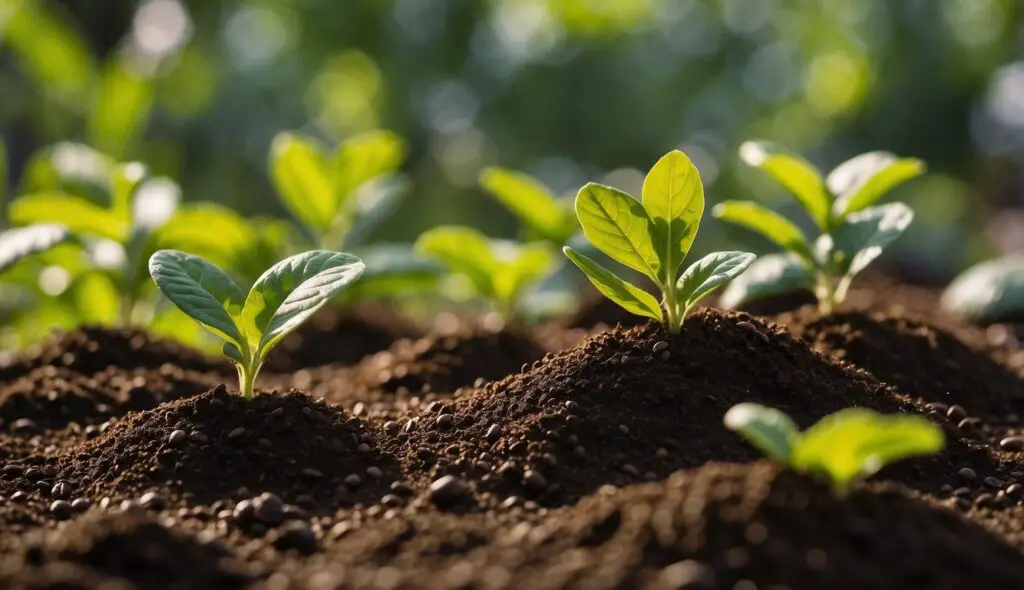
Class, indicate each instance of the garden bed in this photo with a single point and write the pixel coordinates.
(497, 460)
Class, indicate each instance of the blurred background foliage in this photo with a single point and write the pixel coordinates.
(567, 90)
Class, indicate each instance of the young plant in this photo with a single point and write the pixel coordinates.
(843, 447)
(545, 216)
(991, 291)
(653, 236)
(853, 232)
(500, 271)
(282, 298)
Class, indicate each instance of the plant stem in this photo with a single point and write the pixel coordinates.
(826, 295)
(672, 318)
(246, 380)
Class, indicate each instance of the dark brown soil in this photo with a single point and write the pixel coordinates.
(340, 338)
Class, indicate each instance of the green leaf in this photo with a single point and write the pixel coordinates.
(71, 168)
(393, 269)
(633, 299)
(856, 442)
(120, 108)
(96, 299)
(124, 180)
(19, 243)
(865, 234)
(362, 158)
(860, 181)
(520, 265)
(617, 225)
(992, 291)
(673, 198)
(769, 275)
(463, 250)
(293, 290)
(188, 230)
(768, 429)
(531, 202)
(794, 173)
(299, 174)
(711, 272)
(766, 222)
(80, 216)
(203, 291)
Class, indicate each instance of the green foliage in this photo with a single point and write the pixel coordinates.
(843, 447)
(19, 243)
(853, 231)
(498, 270)
(653, 237)
(542, 212)
(991, 291)
(250, 325)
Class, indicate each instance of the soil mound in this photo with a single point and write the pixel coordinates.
(92, 349)
(217, 445)
(115, 549)
(340, 338)
(639, 404)
(921, 360)
(434, 363)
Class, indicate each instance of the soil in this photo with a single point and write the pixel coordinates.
(476, 460)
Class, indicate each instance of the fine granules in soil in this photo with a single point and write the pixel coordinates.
(210, 446)
(637, 404)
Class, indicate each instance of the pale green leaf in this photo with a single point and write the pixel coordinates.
(80, 216)
(465, 251)
(293, 290)
(71, 168)
(617, 224)
(631, 298)
(855, 443)
(673, 198)
(531, 202)
(865, 234)
(121, 106)
(301, 179)
(189, 230)
(521, 265)
(794, 173)
(361, 158)
(201, 290)
(766, 222)
(711, 272)
(769, 275)
(992, 291)
(768, 429)
(19, 243)
(861, 181)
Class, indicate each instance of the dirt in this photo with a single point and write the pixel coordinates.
(474, 459)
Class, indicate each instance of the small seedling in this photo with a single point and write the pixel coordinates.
(545, 215)
(498, 270)
(991, 291)
(843, 447)
(282, 298)
(653, 237)
(853, 232)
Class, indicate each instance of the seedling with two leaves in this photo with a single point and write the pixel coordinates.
(250, 325)
(853, 230)
(500, 271)
(653, 236)
(843, 447)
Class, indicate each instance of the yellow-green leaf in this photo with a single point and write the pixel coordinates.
(631, 298)
(766, 222)
(463, 250)
(300, 176)
(78, 215)
(362, 158)
(861, 181)
(617, 224)
(673, 198)
(794, 173)
(531, 202)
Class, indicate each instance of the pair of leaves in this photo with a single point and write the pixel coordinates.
(281, 299)
(852, 186)
(498, 270)
(843, 447)
(530, 201)
(316, 188)
(653, 237)
(992, 291)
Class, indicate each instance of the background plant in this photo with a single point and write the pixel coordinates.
(653, 238)
(841, 448)
(991, 291)
(544, 215)
(851, 230)
(284, 296)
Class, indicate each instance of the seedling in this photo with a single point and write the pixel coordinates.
(282, 298)
(653, 237)
(545, 215)
(326, 194)
(991, 291)
(498, 270)
(853, 232)
(843, 447)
